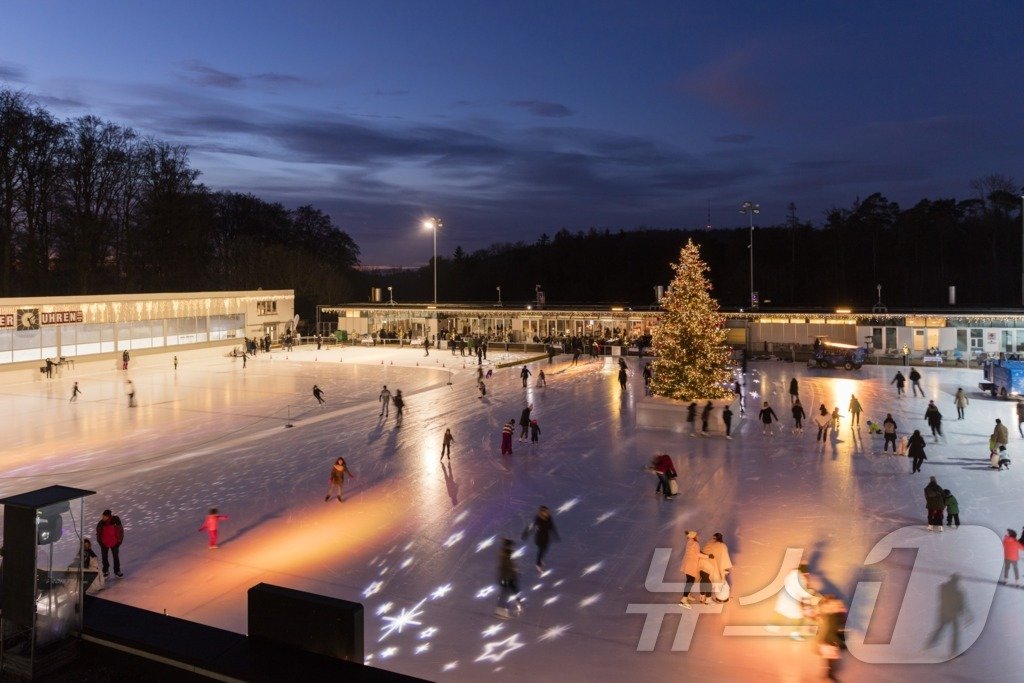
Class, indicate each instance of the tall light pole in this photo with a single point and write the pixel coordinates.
(750, 208)
(434, 224)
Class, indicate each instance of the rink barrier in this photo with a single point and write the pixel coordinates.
(166, 644)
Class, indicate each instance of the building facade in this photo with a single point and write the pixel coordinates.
(882, 332)
(36, 328)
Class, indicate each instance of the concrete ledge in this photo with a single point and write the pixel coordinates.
(657, 412)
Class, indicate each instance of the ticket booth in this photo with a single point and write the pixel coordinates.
(43, 581)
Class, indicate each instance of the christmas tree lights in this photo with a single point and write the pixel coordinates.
(689, 337)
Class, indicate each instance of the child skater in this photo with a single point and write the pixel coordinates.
(534, 432)
(210, 526)
(336, 480)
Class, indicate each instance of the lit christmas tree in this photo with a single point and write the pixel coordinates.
(689, 339)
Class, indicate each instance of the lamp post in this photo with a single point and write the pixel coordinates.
(750, 208)
(434, 224)
(499, 295)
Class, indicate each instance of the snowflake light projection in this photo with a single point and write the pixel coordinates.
(496, 651)
(404, 618)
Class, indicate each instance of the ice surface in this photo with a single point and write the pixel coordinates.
(416, 540)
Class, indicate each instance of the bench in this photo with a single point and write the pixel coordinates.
(932, 359)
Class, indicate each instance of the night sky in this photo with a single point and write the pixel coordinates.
(511, 119)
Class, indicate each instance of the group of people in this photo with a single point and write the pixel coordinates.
(707, 568)
(543, 530)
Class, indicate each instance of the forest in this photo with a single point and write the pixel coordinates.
(91, 207)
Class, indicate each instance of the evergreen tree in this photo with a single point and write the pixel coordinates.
(689, 338)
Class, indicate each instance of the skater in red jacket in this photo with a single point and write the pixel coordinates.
(210, 526)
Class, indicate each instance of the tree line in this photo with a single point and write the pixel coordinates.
(915, 254)
(91, 207)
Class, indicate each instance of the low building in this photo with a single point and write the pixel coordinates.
(970, 332)
(33, 329)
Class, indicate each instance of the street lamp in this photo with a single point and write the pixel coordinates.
(499, 295)
(434, 224)
(750, 208)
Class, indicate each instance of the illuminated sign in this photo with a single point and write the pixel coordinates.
(32, 319)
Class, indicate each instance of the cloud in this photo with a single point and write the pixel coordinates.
(12, 72)
(204, 75)
(735, 138)
(551, 110)
(732, 83)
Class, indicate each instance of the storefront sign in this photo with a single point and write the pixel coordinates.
(32, 319)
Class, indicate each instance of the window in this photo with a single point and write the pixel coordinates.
(977, 340)
(266, 308)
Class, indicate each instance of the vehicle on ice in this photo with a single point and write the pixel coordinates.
(827, 354)
(1003, 378)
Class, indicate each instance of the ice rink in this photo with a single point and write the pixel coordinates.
(416, 540)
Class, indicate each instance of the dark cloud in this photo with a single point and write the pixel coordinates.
(736, 138)
(205, 75)
(12, 72)
(55, 102)
(551, 110)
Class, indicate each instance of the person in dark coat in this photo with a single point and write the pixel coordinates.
(915, 450)
(915, 382)
(691, 417)
(935, 501)
(623, 377)
(727, 421)
(934, 418)
(543, 528)
(525, 374)
(318, 394)
(524, 422)
(110, 536)
(767, 416)
(794, 391)
(831, 633)
(399, 406)
(508, 579)
(798, 417)
(705, 415)
(900, 381)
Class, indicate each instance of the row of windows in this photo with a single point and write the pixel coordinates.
(55, 341)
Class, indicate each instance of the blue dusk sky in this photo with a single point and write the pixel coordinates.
(511, 119)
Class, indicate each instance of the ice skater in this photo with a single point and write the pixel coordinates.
(915, 382)
(210, 524)
(623, 377)
(900, 381)
(663, 466)
(481, 387)
(889, 433)
(542, 381)
(934, 419)
(125, 357)
(935, 503)
(767, 416)
(822, 421)
(1000, 436)
(508, 580)
(543, 529)
(961, 401)
(705, 415)
(534, 432)
(336, 479)
(524, 422)
(506, 437)
(75, 391)
(796, 601)
(718, 552)
(318, 394)
(1020, 418)
(855, 411)
(91, 563)
(831, 630)
(952, 509)
(727, 421)
(648, 374)
(446, 444)
(794, 391)
(426, 345)
(399, 407)
(915, 451)
(525, 374)
(110, 536)
(690, 567)
(175, 363)
(130, 391)
(691, 417)
(385, 401)
(798, 417)
(1011, 555)
(737, 389)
